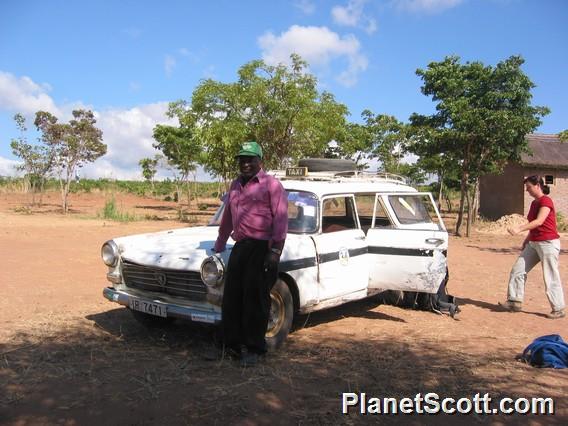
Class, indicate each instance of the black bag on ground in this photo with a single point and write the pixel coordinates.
(440, 302)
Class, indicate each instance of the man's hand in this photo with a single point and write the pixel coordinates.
(513, 230)
(271, 261)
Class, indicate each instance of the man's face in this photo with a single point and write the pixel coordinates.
(249, 166)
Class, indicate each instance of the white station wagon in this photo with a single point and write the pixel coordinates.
(350, 235)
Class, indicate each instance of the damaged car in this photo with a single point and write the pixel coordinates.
(351, 235)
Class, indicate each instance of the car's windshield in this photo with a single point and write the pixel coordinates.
(302, 212)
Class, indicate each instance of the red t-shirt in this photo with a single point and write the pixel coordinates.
(546, 231)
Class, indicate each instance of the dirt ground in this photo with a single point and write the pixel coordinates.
(69, 357)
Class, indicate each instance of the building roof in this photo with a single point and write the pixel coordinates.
(547, 151)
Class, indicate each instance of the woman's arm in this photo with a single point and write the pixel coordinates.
(540, 218)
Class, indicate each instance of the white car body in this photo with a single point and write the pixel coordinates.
(349, 238)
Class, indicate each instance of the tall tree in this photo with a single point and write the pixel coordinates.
(37, 160)
(75, 144)
(149, 169)
(482, 116)
(278, 106)
(381, 137)
(181, 148)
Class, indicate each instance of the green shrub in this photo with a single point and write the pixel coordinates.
(561, 222)
(111, 212)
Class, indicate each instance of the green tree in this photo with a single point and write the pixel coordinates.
(149, 169)
(181, 148)
(278, 106)
(381, 137)
(482, 116)
(74, 144)
(37, 160)
(563, 136)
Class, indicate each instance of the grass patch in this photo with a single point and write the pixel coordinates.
(561, 222)
(111, 212)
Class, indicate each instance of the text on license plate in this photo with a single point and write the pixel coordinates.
(147, 307)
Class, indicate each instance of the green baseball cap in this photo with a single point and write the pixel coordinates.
(250, 149)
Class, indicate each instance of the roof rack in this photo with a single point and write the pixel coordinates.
(344, 176)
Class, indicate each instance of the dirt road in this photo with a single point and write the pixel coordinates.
(67, 356)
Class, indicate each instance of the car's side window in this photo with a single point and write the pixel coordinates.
(338, 214)
(382, 219)
(411, 208)
(365, 205)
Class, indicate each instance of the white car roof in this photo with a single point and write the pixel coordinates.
(322, 184)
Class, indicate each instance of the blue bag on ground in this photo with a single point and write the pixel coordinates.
(547, 351)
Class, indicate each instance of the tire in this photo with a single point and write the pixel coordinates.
(281, 315)
(151, 321)
(327, 165)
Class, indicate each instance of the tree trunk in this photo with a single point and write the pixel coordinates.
(188, 190)
(469, 211)
(440, 192)
(463, 189)
(475, 210)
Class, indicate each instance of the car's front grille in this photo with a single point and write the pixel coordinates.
(186, 284)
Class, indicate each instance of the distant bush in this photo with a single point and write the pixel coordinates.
(561, 222)
(111, 212)
(161, 189)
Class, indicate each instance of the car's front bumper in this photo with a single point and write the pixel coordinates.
(193, 313)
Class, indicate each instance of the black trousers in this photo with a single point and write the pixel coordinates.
(246, 297)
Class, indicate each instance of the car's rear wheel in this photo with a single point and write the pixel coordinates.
(281, 315)
(151, 321)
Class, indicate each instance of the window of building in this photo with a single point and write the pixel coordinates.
(549, 180)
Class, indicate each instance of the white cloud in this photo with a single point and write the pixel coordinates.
(128, 135)
(428, 6)
(127, 132)
(306, 6)
(352, 15)
(23, 95)
(169, 64)
(319, 46)
(8, 167)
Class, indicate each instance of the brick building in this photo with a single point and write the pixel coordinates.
(504, 194)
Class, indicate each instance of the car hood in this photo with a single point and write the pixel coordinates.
(183, 248)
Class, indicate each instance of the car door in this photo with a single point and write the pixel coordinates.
(408, 243)
(341, 249)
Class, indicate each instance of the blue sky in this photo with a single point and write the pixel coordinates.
(125, 60)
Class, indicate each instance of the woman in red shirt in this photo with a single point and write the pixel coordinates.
(542, 244)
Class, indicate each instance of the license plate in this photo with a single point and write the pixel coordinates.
(151, 308)
(203, 318)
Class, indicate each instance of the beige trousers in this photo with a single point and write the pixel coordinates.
(548, 253)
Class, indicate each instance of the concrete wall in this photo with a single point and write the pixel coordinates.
(504, 194)
(558, 191)
(501, 195)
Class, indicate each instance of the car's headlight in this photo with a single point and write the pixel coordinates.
(109, 253)
(212, 271)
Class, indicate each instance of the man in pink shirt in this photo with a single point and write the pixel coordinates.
(256, 217)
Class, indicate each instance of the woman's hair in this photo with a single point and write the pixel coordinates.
(537, 180)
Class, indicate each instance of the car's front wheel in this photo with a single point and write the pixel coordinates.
(281, 315)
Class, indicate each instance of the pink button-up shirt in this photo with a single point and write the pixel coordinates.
(257, 210)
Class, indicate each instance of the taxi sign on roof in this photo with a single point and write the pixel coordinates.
(296, 171)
